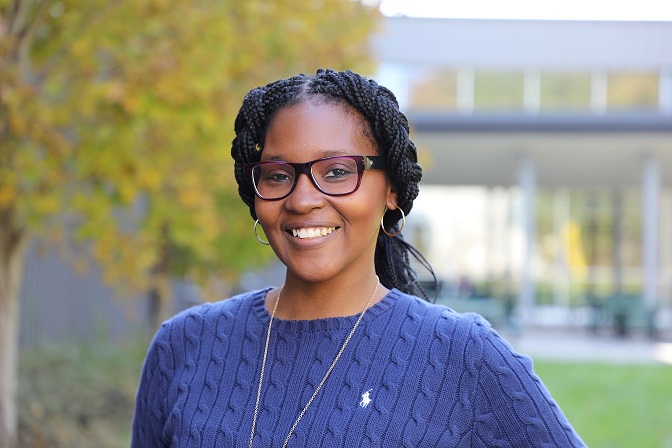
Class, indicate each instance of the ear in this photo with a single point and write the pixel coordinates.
(391, 202)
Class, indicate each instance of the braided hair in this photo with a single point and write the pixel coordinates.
(389, 126)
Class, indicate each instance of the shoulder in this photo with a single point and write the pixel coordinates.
(452, 336)
(199, 326)
(468, 337)
(214, 310)
(208, 319)
(444, 321)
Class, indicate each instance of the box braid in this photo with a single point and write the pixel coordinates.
(389, 126)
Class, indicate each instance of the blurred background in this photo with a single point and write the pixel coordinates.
(545, 137)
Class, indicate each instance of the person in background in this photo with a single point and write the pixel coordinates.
(348, 352)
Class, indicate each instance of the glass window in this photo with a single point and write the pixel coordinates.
(435, 91)
(565, 91)
(632, 91)
(498, 91)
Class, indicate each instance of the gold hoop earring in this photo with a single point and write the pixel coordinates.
(265, 243)
(403, 223)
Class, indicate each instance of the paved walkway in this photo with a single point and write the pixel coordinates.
(577, 344)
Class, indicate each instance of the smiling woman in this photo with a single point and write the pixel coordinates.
(346, 352)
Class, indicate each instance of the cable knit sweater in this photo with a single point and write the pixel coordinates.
(413, 375)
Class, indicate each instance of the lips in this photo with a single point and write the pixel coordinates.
(312, 232)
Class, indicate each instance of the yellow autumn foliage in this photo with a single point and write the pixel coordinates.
(119, 115)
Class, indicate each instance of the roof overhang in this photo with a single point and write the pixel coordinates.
(568, 150)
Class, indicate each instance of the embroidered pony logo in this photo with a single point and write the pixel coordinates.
(366, 398)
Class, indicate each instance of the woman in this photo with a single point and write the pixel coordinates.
(344, 354)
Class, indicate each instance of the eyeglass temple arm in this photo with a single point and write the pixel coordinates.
(375, 162)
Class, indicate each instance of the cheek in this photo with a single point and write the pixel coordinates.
(265, 211)
(366, 211)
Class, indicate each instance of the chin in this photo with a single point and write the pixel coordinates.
(312, 272)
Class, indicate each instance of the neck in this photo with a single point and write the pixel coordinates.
(302, 300)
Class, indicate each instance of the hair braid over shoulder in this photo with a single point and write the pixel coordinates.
(389, 126)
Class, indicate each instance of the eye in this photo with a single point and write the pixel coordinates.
(336, 171)
(276, 175)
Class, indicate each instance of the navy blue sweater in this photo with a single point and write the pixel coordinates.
(413, 375)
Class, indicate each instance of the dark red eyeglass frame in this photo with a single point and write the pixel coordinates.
(363, 163)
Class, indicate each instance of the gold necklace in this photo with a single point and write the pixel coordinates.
(319, 386)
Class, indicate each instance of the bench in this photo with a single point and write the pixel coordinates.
(628, 312)
(623, 313)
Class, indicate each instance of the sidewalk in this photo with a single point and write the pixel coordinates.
(577, 344)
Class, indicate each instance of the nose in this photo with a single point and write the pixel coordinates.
(305, 196)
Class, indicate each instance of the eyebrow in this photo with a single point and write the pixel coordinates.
(325, 153)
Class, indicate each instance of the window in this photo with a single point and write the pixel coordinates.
(565, 92)
(498, 91)
(435, 91)
(632, 91)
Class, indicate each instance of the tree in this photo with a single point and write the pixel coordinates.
(115, 127)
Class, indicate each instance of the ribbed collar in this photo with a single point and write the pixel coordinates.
(319, 325)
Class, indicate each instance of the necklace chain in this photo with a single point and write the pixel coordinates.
(326, 375)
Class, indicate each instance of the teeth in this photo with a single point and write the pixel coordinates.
(312, 232)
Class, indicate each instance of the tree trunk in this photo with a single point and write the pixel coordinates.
(159, 299)
(12, 245)
(159, 296)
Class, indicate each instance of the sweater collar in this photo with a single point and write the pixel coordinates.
(320, 325)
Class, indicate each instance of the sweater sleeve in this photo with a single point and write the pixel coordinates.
(513, 408)
(150, 404)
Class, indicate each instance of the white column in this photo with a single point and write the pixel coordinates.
(618, 238)
(532, 92)
(598, 92)
(527, 186)
(465, 91)
(650, 216)
(561, 268)
(397, 78)
(490, 249)
(665, 91)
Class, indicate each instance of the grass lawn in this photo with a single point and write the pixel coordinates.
(614, 405)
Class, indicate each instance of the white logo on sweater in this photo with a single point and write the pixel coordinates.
(366, 398)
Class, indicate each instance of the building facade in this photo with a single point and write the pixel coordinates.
(559, 134)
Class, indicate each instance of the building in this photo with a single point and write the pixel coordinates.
(563, 127)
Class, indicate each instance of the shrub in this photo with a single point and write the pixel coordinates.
(79, 396)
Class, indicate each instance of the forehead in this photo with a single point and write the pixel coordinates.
(308, 131)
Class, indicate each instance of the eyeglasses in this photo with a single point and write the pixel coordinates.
(334, 176)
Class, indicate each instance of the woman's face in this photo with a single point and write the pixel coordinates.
(344, 228)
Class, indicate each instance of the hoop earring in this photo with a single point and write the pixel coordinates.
(265, 243)
(403, 223)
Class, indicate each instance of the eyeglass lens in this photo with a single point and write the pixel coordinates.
(333, 176)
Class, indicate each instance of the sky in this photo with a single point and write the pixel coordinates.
(645, 10)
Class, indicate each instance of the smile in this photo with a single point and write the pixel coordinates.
(312, 232)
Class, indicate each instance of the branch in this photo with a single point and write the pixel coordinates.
(17, 20)
(21, 26)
